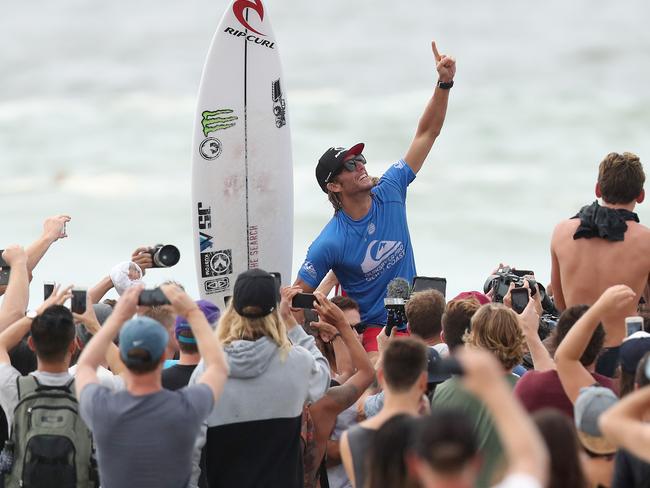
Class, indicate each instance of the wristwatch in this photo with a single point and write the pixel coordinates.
(445, 85)
(31, 314)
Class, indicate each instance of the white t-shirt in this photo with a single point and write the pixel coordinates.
(9, 389)
(519, 480)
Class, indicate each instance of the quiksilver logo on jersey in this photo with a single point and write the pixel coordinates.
(310, 269)
(380, 256)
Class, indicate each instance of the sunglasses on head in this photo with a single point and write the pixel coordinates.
(359, 328)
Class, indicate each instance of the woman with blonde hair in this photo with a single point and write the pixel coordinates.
(253, 433)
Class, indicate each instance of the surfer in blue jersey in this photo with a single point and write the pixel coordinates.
(367, 242)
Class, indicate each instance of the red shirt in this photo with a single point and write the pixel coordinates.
(543, 389)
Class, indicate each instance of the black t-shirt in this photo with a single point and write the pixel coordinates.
(177, 376)
(630, 471)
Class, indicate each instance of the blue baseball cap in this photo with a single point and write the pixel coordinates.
(142, 333)
(212, 315)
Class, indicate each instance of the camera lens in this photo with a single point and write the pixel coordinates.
(166, 256)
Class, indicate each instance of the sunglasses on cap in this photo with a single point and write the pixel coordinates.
(349, 165)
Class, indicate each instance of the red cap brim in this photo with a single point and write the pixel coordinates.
(356, 149)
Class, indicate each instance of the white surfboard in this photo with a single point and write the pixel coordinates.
(242, 173)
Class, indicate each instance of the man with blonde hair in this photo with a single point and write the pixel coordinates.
(496, 329)
(604, 244)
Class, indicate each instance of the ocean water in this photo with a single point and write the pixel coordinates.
(97, 102)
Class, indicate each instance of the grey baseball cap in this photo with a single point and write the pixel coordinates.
(590, 404)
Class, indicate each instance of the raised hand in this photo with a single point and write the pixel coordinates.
(88, 318)
(142, 257)
(286, 295)
(58, 297)
(445, 65)
(54, 227)
(328, 312)
(14, 255)
(615, 300)
(128, 303)
(181, 302)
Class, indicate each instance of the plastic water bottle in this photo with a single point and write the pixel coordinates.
(7, 458)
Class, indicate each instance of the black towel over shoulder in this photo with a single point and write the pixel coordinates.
(606, 223)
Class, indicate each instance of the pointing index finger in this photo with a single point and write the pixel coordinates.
(436, 54)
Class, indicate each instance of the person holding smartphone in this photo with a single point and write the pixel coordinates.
(367, 242)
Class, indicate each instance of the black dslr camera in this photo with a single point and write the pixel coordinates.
(500, 283)
(164, 255)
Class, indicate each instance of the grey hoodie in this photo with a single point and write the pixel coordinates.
(261, 386)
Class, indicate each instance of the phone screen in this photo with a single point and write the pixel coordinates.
(3, 263)
(303, 300)
(519, 298)
(78, 304)
(421, 283)
(48, 289)
(633, 324)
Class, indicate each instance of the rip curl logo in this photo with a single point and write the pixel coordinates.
(309, 269)
(238, 9)
(399, 165)
(381, 256)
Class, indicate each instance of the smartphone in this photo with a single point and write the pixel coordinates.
(152, 298)
(519, 298)
(4, 270)
(421, 283)
(48, 289)
(633, 324)
(303, 300)
(78, 304)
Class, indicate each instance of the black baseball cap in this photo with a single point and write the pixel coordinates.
(332, 161)
(254, 294)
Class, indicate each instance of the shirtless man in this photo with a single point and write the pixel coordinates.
(604, 245)
(367, 243)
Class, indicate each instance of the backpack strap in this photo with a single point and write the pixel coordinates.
(26, 385)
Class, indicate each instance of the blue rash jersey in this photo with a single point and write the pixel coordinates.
(369, 253)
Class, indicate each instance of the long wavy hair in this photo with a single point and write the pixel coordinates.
(234, 327)
(496, 329)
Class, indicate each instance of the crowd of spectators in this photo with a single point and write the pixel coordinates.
(514, 386)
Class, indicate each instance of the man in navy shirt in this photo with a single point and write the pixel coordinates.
(367, 242)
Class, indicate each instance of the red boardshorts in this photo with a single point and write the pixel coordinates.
(369, 339)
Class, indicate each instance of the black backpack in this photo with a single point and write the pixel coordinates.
(52, 446)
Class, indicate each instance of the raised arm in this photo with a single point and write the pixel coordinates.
(215, 372)
(341, 397)
(95, 351)
(13, 334)
(573, 374)
(625, 424)
(53, 230)
(16, 297)
(523, 445)
(433, 117)
(319, 380)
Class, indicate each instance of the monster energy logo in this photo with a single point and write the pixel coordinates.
(217, 120)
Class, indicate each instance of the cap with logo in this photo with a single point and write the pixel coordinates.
(142, 334)
(254, 294)
(212, 314)
(590, 404)
(332, 161)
